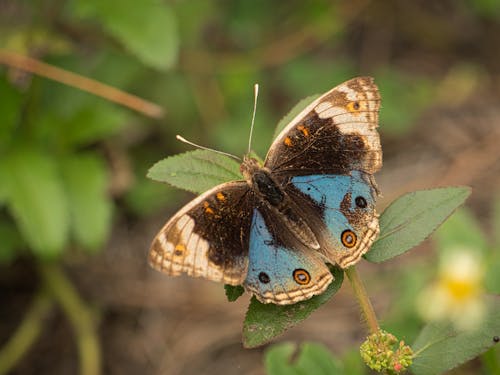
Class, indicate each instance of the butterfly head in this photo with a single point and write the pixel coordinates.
(249, 167)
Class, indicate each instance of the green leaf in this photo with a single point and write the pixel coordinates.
(233, 292)
(148, 29)
(37, 201)
(277, 359)
(312, 359)
(264, 322)
(411, 218)
(440, 347)
(294, 112)
(196, 171)
(86, 181)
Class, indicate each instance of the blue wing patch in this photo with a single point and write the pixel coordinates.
(280, 275)
(348, 206)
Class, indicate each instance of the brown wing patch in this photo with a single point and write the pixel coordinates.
(208, 237)
(335, 134)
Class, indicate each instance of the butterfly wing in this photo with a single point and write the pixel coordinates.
(335, 134)
(278, 273)
(325, 159)
(208, 237)
(345, 207)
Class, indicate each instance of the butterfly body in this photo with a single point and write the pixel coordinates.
(270, 194)
(313, 201)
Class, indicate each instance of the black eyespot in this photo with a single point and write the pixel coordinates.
(355, 105)
(348, 238)
(360, 202)
(264, 278)
(496, 339)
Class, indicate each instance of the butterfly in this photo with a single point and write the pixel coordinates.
(312, 201)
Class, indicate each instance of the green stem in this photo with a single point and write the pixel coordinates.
(363, 300)
(27, 332)
(491, 362)
(78, 314)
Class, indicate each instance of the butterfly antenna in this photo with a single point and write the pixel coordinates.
(255, 95)
(182, 139)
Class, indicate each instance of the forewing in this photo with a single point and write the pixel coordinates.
(208, 237)
(335, 134)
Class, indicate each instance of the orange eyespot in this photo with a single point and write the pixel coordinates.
(179, 249)
(208, 210)
(287, 141)
(348, 238)
(304, 130)
(301, 276)
(221, 197)
(353, 106)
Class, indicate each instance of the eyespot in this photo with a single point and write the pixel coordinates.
(348, 238)
(179, 249)
(361, 202)
(353, 106)
(301, 276)
(264, 278)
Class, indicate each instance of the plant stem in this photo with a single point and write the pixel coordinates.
(83, 83)
(363, 300)
(27, 332)
(78, 314)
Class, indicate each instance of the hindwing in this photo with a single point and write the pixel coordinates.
(281, 270)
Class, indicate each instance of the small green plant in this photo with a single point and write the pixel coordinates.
(404, 224)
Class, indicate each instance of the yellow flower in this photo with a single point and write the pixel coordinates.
(457, 295)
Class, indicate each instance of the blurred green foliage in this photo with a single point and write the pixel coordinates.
(311, 358)
(70, 162)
